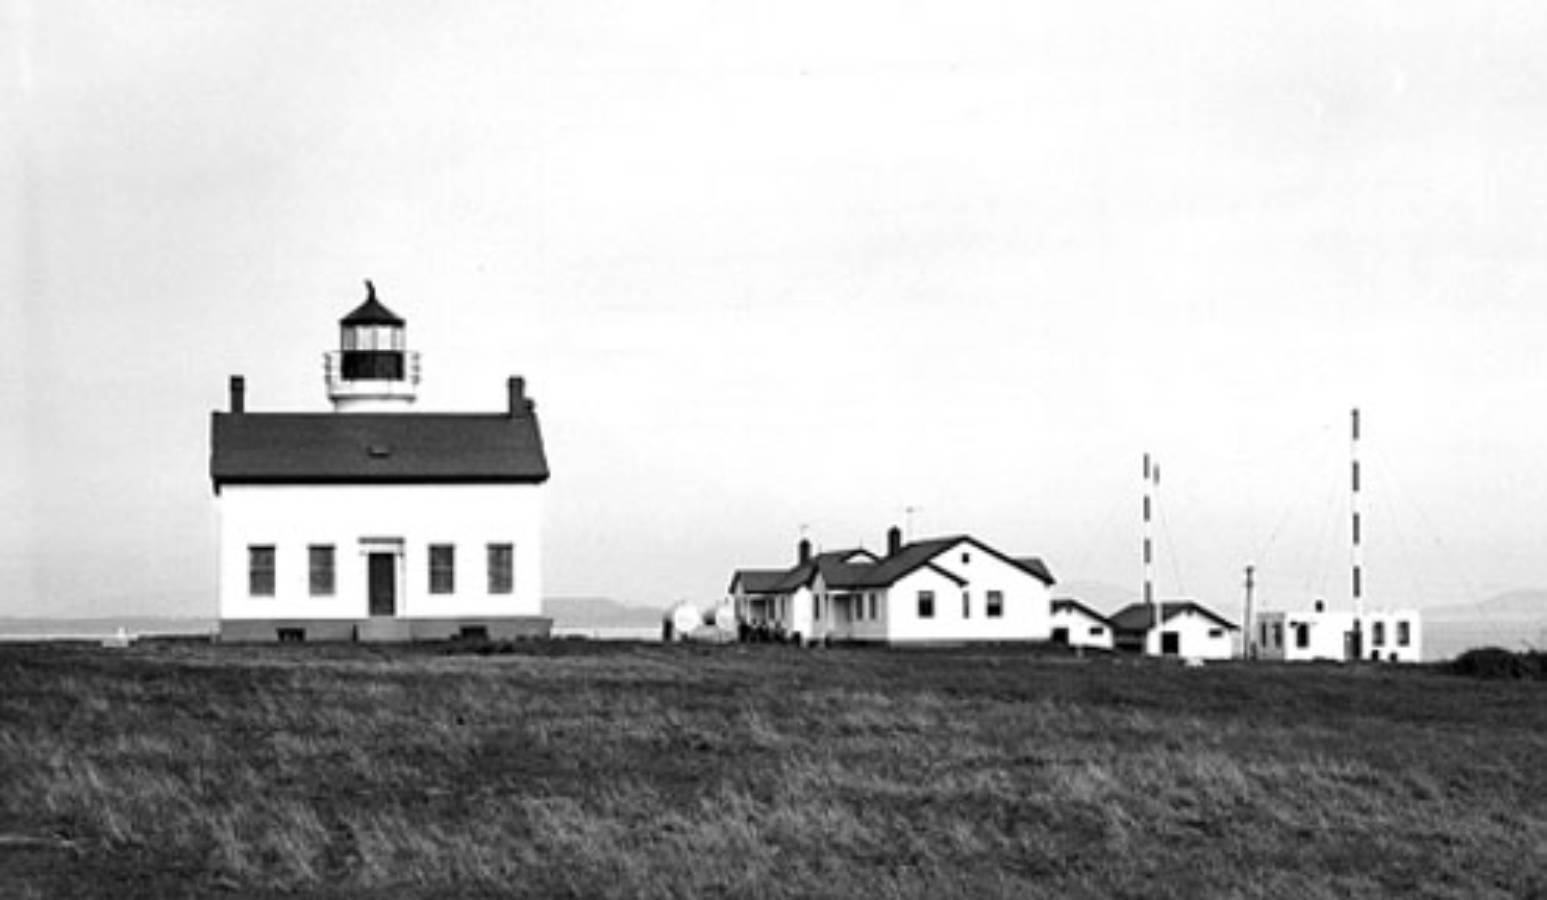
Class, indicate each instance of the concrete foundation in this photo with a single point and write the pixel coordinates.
(274, 631)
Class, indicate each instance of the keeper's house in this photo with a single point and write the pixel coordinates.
(947, 590)
(374, 523)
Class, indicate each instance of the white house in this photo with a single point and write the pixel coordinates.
(372, 522)
(1076, 625)
(1322, 634)
(1186, 629)
(940, 590)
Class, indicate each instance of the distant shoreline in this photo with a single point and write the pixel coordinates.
(1443, 639)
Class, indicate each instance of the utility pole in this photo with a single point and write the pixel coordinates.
(1251, 633)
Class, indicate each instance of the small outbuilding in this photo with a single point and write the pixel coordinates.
(1077, 625)
(1185, 628)
(1339, 635)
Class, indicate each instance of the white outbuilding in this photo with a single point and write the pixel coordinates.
(1183, 628)
(373, 522)
(1076, 625)
(1340, 635)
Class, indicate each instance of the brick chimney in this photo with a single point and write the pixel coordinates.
(893, 540)
(803, 552)
(238, 394)
(519, 404)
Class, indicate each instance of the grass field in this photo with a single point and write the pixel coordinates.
(576, 769)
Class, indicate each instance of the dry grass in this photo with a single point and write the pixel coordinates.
(629, 771)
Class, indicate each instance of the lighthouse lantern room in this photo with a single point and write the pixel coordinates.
(373, 370)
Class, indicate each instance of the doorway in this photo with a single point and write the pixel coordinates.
(382, 583)
(1170, 643)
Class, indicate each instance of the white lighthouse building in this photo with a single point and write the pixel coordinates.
(374, 522)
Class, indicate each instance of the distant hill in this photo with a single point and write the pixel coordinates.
(1104, 597)
(1514, 620)
(599, 612)
(1522, 604)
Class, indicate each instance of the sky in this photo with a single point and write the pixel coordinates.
(782, 267)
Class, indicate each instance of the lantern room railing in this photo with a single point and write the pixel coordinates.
(375, 379)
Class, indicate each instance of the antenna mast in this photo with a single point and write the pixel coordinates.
(1357, 550)
(1151, 481)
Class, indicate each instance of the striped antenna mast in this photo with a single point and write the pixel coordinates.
(1151, 482)
(1358, 551)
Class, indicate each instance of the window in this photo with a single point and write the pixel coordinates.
(816, 607)
(966, 605)
(1265, 641)
(872, 607)
(443, 562)
(501, 568)
(319, 564)
(1097, 631)
(1216, 632)
(1404, 634)
(260, 570)
(966, 558)
(926, 604)
(995, 604)
(1302, 634)
(1378, 633)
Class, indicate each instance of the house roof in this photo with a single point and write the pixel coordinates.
(1061, 604)
(831, 563)
(377, 448)
(758, 581)
(1137, 616)
(371, 312)
(858, 568)
(1037, 567)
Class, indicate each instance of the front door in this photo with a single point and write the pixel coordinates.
(383, 584)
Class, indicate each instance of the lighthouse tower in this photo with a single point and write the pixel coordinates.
(372, 371)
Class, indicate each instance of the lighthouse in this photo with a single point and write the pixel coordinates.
(372, 370)
(376, 521)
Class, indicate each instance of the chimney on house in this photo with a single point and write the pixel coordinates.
(893, 540)
(519, 404)
(803, 551)
(238, 394)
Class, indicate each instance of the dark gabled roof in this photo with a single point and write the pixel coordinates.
(1069, 603)
(801, 575)
(1137, 616)
(377, 448)
(1035, 566)
(758, 581)
(371, 312)
(918, 553)
(858, 569)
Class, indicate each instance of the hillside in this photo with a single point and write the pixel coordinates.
(587, 769)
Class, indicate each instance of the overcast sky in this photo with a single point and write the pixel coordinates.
(767, 265)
